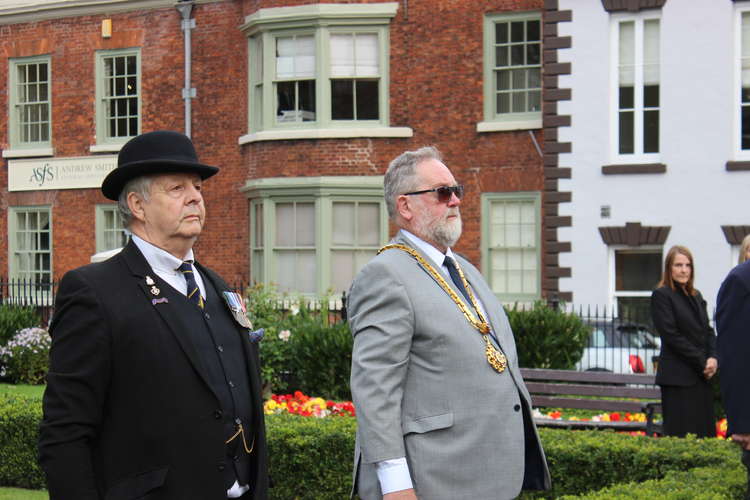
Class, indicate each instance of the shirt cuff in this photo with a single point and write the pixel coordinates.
(393, 475)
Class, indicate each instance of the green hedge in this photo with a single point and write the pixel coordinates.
(311, 459)
(19, 430)
(722, 482)
(586, 461)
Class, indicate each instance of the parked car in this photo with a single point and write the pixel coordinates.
(620, 347)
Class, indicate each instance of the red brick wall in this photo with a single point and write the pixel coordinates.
(435, 88)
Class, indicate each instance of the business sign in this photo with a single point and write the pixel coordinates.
(59, 173)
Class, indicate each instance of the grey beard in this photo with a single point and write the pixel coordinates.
(441, 232)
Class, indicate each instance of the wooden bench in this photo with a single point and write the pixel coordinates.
(608, 392)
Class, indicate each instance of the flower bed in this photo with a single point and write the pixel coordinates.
(721, 425)
(306, 406)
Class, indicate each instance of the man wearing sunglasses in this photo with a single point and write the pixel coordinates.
(442, 410)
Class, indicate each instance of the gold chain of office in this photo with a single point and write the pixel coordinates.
(495, 358)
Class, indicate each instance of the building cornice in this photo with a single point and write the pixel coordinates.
(16, 12)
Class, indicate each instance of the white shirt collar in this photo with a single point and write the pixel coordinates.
(159, 259)
(435, 255)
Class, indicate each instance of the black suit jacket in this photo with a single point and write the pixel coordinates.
(687, 339)
(128, 412)
(733, 325)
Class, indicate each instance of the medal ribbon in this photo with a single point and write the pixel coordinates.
(495, 358)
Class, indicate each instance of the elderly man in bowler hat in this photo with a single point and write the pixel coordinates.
(154, 384)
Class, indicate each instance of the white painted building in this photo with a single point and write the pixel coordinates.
(657, 156)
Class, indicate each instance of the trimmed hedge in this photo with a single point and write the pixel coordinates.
(701, 483)
(19, 431)
(582, 462)
(312, 458)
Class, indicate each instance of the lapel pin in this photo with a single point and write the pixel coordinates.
(155, 291)
(149, 281)
(161, 300)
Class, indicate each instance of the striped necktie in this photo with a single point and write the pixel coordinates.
(193, 292)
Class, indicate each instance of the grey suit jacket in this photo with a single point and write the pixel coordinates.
(423, 388)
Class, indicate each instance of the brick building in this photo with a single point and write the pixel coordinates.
(302, 105)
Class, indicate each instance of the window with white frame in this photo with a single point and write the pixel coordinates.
(30, 96)
(636, 274)
(312, 235)
(511, 244)
(637, 92)
(110, 230)
(118, 86)
(319, 66)
(30, 244)
(513, 69)
(744, 94)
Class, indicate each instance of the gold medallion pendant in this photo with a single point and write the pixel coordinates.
(495, 358)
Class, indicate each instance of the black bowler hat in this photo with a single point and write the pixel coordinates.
(157, 152)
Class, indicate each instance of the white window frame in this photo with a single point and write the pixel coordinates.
(487, 199)
(323, 192)
(613, 293)
(638, 156)
(319, 20)
(18, 147)
(509, 121)
(13, 271)
(101, 228)
(738, 153)
(105, 143)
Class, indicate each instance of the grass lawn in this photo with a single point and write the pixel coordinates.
(26, 390)
(19, 494)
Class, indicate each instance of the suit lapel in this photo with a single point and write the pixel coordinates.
(169, 312)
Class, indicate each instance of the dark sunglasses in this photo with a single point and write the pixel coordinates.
(443, 192)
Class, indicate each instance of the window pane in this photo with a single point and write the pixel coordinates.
(651, 52)
(517, 31)
(342, 270)
(627, 98)
(634, 309)
(516, 55)
(503, 80)
(626, 133)
(367, 55)
(503, 103)
(367, 100)
(651, 96)
(637, 271)
(342, 99)
(501, 56)
(627, 53)
(746, 127)
(368, 224)
(532, 30)
(295, 57)
(285, 224)
(305, 224)
(343, 224)
(651, 131)
(501, 33)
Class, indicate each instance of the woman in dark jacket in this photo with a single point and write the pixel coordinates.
(688, 349)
